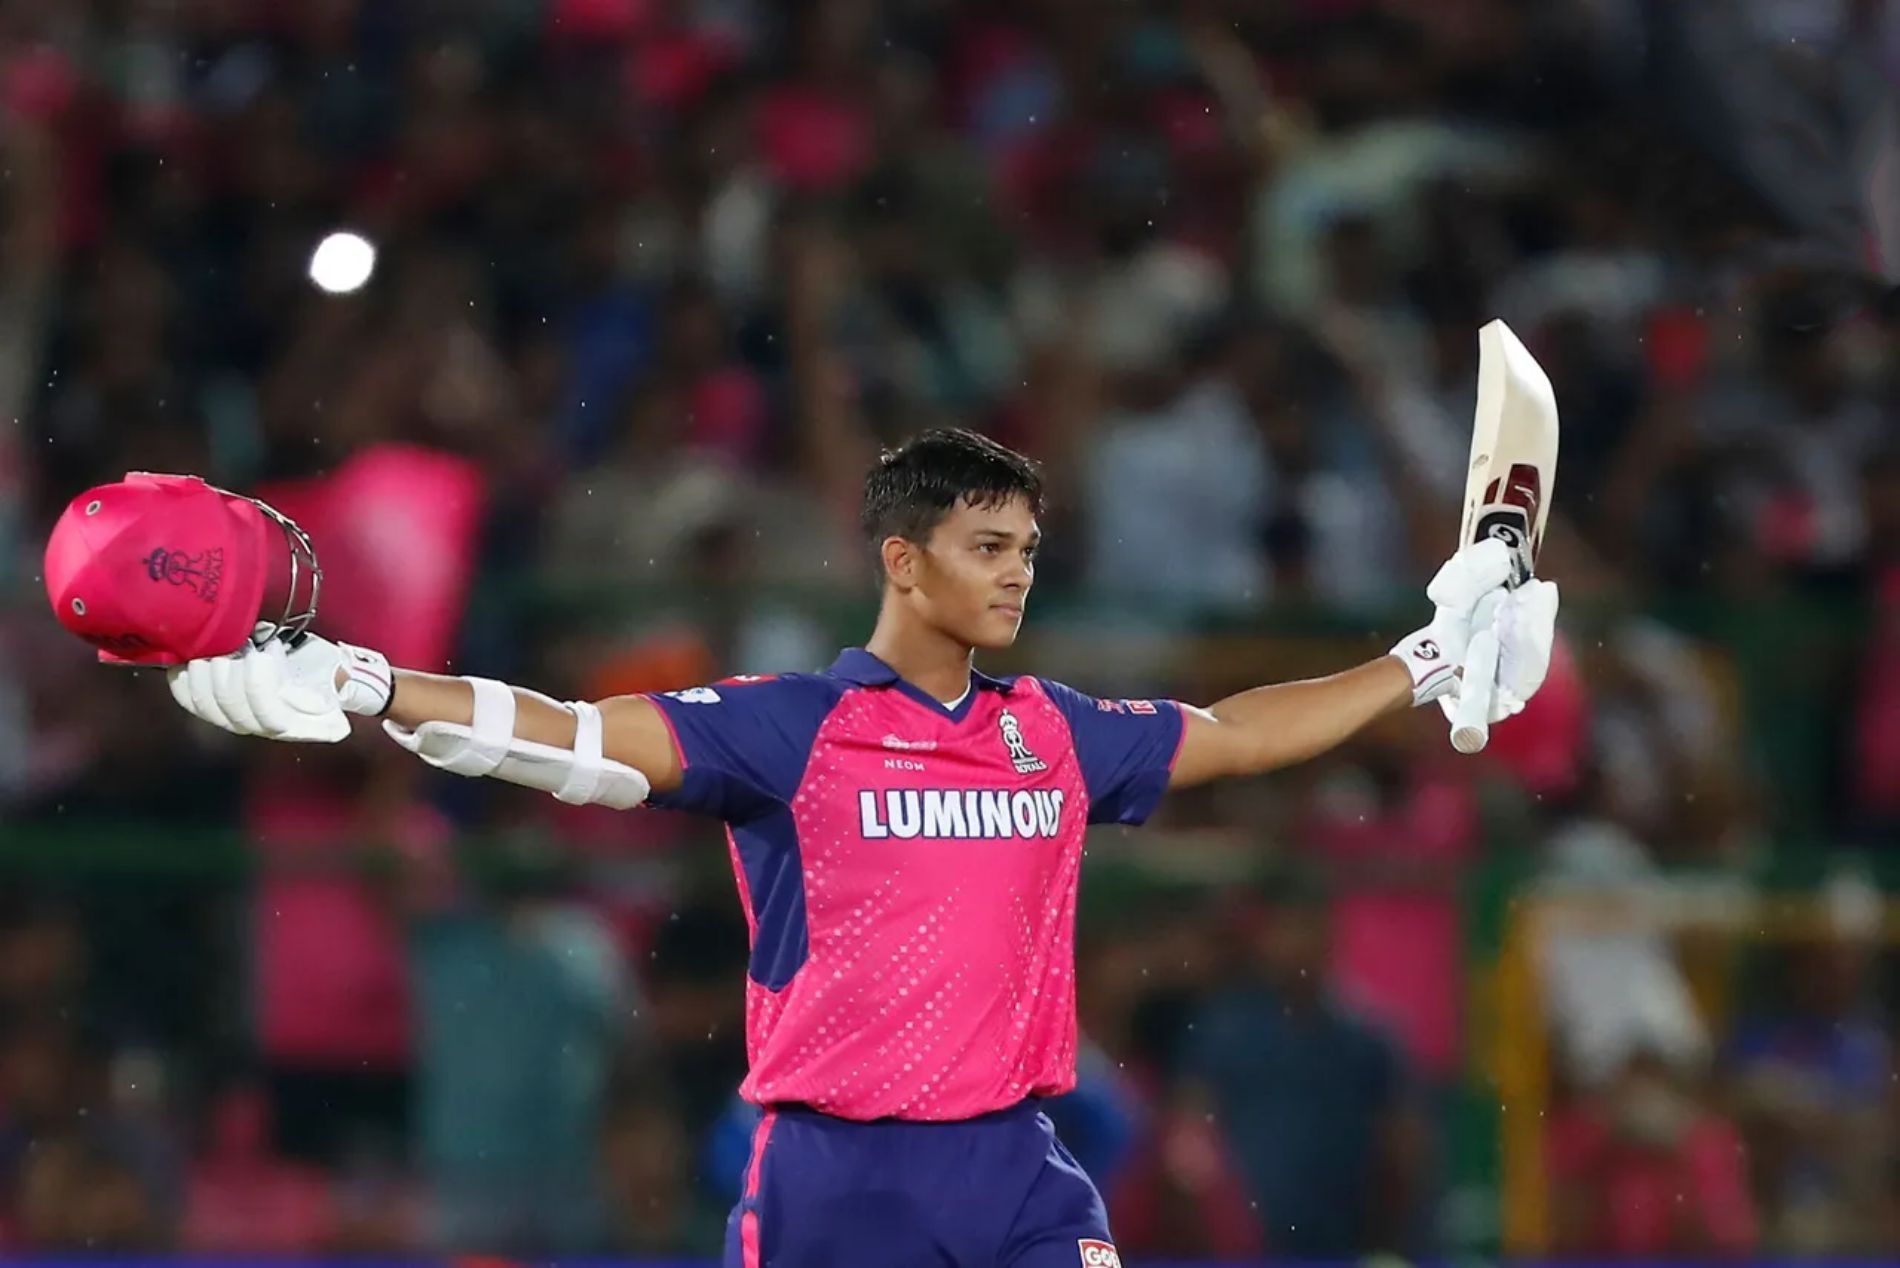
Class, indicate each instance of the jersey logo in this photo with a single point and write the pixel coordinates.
(202, 574)
(1025, 762)
(1098, 1254)
(1141, 706)
(694, 695)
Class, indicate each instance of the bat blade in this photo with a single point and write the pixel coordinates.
(1508, 485)
(1513, 450)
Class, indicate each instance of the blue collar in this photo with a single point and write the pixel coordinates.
(854, 664)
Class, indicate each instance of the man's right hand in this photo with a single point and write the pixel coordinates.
(301, 695)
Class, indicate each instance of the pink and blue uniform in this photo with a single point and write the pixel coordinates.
(909, 873)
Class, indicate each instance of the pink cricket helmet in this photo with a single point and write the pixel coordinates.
(162, 569)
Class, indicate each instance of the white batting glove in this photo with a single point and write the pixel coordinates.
(282, 693)
(1433, 653)
(1525, 621)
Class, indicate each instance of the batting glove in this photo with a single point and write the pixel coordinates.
(1525, 621)
(300, 694)
(1433, 653)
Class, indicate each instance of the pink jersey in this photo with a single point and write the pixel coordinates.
(909, 874)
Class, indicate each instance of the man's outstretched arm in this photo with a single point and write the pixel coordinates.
(632, 731)
(1269, 727)
(615, 752)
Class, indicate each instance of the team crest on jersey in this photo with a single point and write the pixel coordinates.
(1099, 1254)
(694, 695)
(1025, 762)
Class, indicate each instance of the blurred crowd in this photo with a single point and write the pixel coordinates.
(655, 279)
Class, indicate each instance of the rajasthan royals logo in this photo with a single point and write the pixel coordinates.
(1025, 762)
(201, 574)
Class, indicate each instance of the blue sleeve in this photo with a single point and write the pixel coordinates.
(743, 744)
(1126, 747)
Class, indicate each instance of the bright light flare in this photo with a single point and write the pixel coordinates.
(342, 263)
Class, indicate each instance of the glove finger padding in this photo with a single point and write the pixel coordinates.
(228, 684)
(1527, 627)
(178, 678)
(259, 692)
(1469, 575)
(264, 685)
(1485, 617)
(1460, 585)
(291, 708)
(202, 688)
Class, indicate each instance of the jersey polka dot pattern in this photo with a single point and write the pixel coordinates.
(941, 978)
(910, 873)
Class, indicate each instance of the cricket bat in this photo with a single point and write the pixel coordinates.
(1508, 486)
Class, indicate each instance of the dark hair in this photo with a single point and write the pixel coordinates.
(914, 486)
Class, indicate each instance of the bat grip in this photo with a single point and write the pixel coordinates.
(1471, 722)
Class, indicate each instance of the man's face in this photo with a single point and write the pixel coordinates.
(971, 578)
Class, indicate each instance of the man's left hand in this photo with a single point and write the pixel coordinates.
(1432, 654)
(1526, 625)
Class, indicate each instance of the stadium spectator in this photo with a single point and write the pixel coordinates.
(1314, 1103)
(523, 1009)
(1645, 1169)
(1812, 1074)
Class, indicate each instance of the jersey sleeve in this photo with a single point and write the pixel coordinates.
(1126, 748)
(743, 744)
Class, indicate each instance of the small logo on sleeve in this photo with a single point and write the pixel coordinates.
(1099, 1254)
(1025, 762)
(1141, 706)
(694, 695)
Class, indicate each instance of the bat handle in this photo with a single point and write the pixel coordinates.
(1471, 722)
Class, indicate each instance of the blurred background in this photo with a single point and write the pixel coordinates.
(635, 290)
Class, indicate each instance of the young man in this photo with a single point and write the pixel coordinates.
(906, 834)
